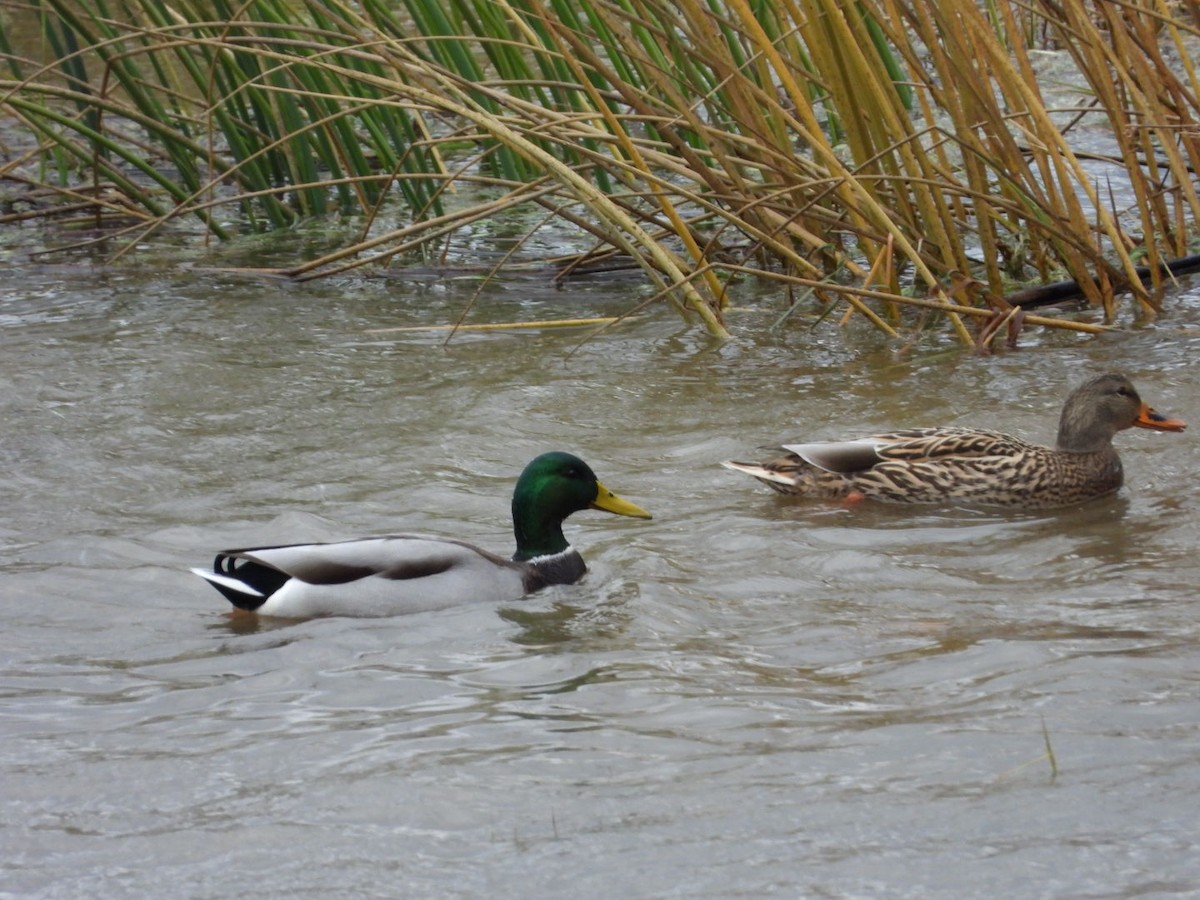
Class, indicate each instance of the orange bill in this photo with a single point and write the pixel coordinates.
(1148, 418)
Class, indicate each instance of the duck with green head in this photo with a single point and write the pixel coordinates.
(974, 466)
(402, 573)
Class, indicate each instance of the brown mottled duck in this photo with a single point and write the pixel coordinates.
(973, 466)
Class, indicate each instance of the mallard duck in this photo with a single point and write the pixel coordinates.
(972, 466)
(399, 573)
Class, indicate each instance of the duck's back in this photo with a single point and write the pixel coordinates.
(385, 575)
(1037, 478)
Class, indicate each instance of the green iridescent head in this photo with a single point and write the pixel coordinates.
(552, 487)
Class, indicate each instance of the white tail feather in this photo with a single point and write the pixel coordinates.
(757, 472)
(232, 583)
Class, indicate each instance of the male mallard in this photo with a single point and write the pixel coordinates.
(392, 574)
(967, 465)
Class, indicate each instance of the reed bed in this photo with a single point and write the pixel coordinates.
(895, 159)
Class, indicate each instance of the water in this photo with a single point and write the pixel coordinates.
(746, 697)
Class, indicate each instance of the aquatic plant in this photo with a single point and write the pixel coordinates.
(893, 158)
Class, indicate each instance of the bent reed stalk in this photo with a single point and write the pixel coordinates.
(880, 155)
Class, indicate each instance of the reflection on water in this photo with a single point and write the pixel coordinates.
(747, 696)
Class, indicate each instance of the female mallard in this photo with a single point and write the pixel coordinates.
(392, 574)
(967, 465)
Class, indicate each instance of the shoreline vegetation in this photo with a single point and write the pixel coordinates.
(903, 161)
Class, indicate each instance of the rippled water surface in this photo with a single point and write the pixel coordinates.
(745, 697)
